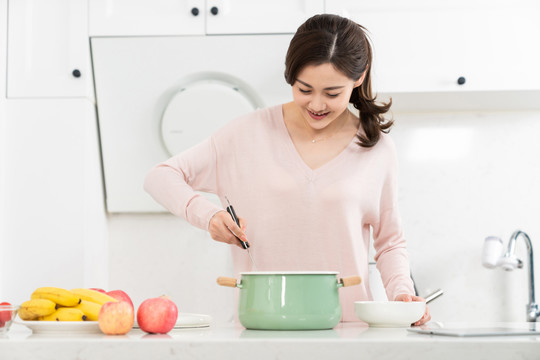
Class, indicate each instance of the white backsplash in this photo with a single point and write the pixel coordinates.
(463, 176)
(157, 254)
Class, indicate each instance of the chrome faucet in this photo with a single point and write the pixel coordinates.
(492, 258)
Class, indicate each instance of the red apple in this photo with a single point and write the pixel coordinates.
(116, 318)
(98, 289)
(157, 315)
(121, 296)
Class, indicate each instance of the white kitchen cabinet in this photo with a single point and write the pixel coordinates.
(425, 46)
(48, 49)
(259, 16)
(146, 17)
(198, 17)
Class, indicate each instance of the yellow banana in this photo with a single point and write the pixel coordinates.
(65, 314)
(58, 295)
(93, 296)
(32, 309)
(90, 309)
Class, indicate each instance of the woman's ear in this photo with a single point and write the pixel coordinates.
(359, 82)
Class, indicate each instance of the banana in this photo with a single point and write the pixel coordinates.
(65, 314)
(90, 309)
(58, 295)
(93, 296)
(33, 309)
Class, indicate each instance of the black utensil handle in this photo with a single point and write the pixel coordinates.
(231, 212)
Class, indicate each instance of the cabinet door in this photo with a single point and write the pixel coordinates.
(48, 49)
(500, 50)
(259, 16)
(146, 17)
(412, 51)
(422, 46)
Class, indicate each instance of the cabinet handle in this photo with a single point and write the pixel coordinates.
(214, 10)
(461, 80)
(195, 11)
(76, 73)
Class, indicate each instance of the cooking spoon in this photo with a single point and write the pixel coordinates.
(245, 244)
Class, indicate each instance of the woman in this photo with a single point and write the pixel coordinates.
(308, 179)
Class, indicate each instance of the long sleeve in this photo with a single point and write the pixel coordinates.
(175, 182)
(389, 242)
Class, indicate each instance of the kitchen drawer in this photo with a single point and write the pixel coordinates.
(146, 17)
(260, 16)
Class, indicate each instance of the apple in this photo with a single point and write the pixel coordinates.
(116, 318)
(98, 289)
(121, 296)
(157, 315)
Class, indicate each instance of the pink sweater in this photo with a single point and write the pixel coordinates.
(298, 219)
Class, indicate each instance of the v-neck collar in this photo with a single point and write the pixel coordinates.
(306, 169)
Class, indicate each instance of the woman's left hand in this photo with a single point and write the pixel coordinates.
(408, 298)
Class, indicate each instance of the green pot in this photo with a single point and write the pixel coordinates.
(289, 300)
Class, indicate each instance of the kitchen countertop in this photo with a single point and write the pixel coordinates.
(227, 341)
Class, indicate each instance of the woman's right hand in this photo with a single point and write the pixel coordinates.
(222, 228)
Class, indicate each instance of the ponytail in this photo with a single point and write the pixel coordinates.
(371, 113)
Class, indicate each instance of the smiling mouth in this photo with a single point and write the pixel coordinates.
(316, 115)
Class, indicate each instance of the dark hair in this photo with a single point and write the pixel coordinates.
(343, 43)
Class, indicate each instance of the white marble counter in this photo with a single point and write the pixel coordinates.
(346, 341)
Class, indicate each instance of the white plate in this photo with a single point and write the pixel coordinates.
(61, 327)
(186, 320)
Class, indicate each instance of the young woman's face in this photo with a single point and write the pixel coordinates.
(322, 93)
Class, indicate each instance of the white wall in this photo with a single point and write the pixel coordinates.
(54, 220)
(465, 176)
(156, 254)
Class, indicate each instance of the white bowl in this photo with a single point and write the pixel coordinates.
(389, 313)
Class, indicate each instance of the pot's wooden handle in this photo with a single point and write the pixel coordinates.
(226, 281)
(351, 280)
